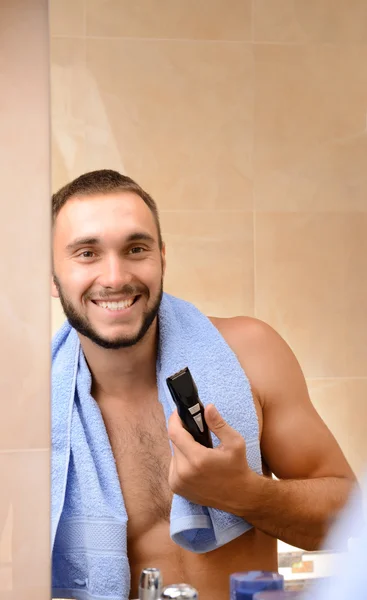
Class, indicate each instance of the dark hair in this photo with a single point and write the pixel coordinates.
(102, 182)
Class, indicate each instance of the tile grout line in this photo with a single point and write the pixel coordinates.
(188, 40)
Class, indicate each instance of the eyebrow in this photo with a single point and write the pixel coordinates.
(137, 236)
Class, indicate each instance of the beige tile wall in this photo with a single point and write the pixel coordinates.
(25, 312)
(246, 120)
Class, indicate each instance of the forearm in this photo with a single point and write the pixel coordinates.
(298, 512)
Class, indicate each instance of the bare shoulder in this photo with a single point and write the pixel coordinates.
(264, 355)
(246, 333)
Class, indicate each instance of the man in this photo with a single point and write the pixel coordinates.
(109, 263)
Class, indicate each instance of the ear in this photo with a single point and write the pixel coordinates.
(54, 290)
(163, 253)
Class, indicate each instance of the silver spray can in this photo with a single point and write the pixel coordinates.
(179, 591)
(150, 584)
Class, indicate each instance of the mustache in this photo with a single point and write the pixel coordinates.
(126, 290)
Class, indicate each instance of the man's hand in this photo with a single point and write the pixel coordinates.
(215, 477)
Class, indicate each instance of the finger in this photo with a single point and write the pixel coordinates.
(177, 465)
(218, 425)
(182, 440)
(178, 455)
(173, 468)
(174, 426)
(174, 420)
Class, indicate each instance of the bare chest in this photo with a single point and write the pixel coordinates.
(142, 454)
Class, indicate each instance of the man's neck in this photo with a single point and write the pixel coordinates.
(125, 372)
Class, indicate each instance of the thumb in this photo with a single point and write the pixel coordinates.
(217, 424)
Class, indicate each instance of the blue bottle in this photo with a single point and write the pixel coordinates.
(244, 586)
(278, 595)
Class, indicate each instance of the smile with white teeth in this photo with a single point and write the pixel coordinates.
(116, 305)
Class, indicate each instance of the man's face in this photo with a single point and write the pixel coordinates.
(108, 268)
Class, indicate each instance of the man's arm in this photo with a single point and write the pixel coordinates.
(298, 512)
(314, 477)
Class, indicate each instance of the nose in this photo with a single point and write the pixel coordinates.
(114, 273)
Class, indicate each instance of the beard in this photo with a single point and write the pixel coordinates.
(82, 324)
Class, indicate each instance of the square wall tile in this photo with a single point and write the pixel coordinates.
(67, 17)
(175, 116)
(170, 19)
(69, 87)
(24, 226)
(342, 404)
(311, 287)
(333, 21)
(210, 260)
(310, 137)
(25, 566)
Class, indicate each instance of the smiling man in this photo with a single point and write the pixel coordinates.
(113, 473)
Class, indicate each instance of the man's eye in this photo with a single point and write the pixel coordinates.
(87, 254)
(137, 250)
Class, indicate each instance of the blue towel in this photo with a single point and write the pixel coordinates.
(89, 518)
